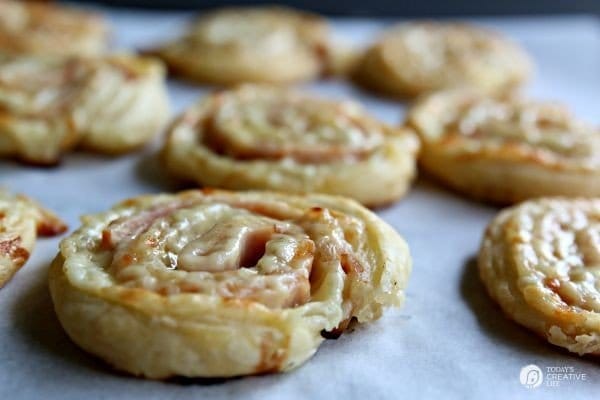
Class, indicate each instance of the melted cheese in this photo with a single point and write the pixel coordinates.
(541, 262)
(464, 122)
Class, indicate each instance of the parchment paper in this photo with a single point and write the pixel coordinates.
(448, 342)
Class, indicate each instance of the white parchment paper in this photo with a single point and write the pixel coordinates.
(448, 342)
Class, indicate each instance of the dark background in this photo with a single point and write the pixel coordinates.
(393, 7)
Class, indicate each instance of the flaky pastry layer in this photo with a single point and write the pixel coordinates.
(110, 104)
(21, 220)
(416, 58)
(29, 27)
(255, 44)
(541, 262)
(215, 284)
(261, 137)
(506, 150)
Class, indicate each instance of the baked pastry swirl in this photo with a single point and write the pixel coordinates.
(506, 150)
(217, 284)
(416, 58)
(29, 27)
(21, 220)
(541, 262)
(255, 44)
(260, 137)
(49, 106)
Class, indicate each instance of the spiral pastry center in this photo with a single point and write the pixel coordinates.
(233, 250)
(267, 126)
(565, 246)
(32, 87)
(544, 126)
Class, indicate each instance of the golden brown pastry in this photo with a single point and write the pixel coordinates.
(29, 27)
(217, 284)
(416, 58)
(21, 220)
(541, 262)
(256, 44)
(508, 150)
(110, 105)
(261, 137)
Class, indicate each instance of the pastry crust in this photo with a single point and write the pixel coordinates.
(260, 137)
(21, 220)
(109, 105)
(540, 261)
(254, 44)
(217, 284)
(416, 58)
(505, 151)
(29, 27)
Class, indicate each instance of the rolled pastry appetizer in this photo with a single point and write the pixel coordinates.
(109, 105)
(541, 262)
(255, 44)
(218, 284)
(29, 27)
(505, 151)
(21, 220)
(259, 137)
(416, 58)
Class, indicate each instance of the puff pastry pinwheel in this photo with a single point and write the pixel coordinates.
(49, 106)
(217, 284)
(21, 220)
(29, 27)
(260, 137)
(257, 44)
(506, 151)
(415, 58)
(541, 262)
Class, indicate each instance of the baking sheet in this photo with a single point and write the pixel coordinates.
(449, 341)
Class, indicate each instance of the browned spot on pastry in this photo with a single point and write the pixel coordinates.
(336, 332)
(129, 202)
(271, 360)
(163, 291)
(133, 295)
(238, 302)
(552, 284)
(306, 248)
(51, 226)
(208, 191)
(567, 317)
(350, 264)
(106, 243)
(13, 250)
(127, 72)
(128, 259)
(188, 287)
